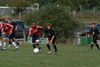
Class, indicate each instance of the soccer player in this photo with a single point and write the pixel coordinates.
(12, 35)
(35, 34)
(50, 33)
(94, 33)
(1, 32)
(7, 30)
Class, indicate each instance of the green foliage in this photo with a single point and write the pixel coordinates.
(62, 21)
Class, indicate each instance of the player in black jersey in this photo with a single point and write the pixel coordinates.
(94, 32)
(51, 37)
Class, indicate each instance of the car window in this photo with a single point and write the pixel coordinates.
(20, 27)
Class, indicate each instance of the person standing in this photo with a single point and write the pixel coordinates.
(94, 32)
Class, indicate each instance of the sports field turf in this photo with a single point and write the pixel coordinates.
(67, 56)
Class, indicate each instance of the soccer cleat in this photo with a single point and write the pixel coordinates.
(3, 49)
(90, 50)
(16, 48)
(40, 49)
(10, 46)
(55, 51)
(49, 52)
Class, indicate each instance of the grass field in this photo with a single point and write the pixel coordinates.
(67, 56)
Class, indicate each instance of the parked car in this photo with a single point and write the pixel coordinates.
(21, 28)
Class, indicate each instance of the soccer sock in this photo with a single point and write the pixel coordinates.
(39, 46)
(97, 46)
(48, 46)
(4, 45)
(10, 42)
(0, 44)
(34, 46)
(17, 43)
(55, 47)
(91, 46)
(14, 44)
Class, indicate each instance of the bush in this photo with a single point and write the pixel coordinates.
(61, 19)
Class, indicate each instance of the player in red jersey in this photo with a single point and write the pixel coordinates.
(1, 25)
(7, 30)
(35, 34)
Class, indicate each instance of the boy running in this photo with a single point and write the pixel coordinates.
(12, 35)
(35, 34)
(7, 30)
(1, 32)
(50, 33)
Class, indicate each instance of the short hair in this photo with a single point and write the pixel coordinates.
(93, 23)
(2, 20)
(49, 24)
(10, 19)
(34, 23)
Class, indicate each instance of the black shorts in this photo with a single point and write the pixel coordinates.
(11, 36)
(94, 40)
(54, 40)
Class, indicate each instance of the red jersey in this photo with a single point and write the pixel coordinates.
(7, 28)
(34, 31)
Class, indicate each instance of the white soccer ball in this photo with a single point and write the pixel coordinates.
(36, 50)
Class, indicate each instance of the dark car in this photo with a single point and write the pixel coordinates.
(22, 29)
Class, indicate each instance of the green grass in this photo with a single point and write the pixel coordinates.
(67, 56)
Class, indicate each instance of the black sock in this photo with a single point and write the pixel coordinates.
(17, 43)
(34, 46)
(55, 47)
(48, 46)
(97, 46)
(38, 46)
(91, 46)
(10, 43)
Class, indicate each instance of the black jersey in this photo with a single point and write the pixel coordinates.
(94, 32)
(49, 33)
(14, 24)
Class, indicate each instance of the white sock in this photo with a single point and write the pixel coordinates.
(14, 44)
(0, 44)
(4, 44)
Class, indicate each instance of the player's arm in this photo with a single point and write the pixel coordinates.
(89, 34)
(16, 27)
(53, 33)
(43, 36)
(30, 32)
(40, 27)
(52, 38)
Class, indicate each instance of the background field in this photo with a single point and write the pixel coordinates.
(67, 56)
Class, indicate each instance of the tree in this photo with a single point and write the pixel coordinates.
(61, 20)
(20, 5)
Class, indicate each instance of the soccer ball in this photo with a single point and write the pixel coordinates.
(36, 50)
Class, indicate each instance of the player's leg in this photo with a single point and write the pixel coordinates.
(97, 44)
(33, 42)
(91, 45)
(0, 39)
(13, 41)
(5, 40)
(48, 46)
(18, 44)
(54, 45)
(37, 43)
